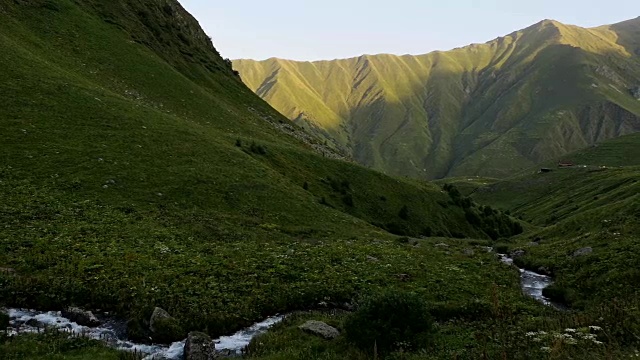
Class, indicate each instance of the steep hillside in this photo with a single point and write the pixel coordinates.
(485, 109)
(136, 170)
(578, 208)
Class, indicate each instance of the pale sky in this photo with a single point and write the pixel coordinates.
(330, 29)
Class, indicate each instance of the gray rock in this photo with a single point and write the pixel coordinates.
(372, 259)
(199, 346)
(583, 252)
(320, 329)
(81, 317)
(517, 253)
(7, 270)
(468, 252)
(635, 92)
(158, 315)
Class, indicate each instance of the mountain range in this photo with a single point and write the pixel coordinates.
(486, 109)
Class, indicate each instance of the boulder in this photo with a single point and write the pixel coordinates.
(321, 329)
(164, 328)
(517, 253)
(583, 252)
(635, 92)
(199, 346)
(81, 317)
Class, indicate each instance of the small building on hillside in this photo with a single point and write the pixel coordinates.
(565, 164)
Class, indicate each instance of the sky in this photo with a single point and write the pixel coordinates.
(331, 29)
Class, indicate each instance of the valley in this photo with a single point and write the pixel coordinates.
(143, 180)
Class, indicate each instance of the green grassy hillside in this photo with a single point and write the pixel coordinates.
(136, 170)
(486, 109)
(572, 209)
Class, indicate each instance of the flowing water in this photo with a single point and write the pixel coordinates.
(114, 332)
(533, 284)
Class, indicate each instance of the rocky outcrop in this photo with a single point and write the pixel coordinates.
(164, 328)
(583, 252)
(199, 346)
(517, 253)
(81, 317)
(321, 329)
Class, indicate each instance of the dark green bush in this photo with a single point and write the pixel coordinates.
(4, 321)
(305, 186)
(404, 213)
(392, 320)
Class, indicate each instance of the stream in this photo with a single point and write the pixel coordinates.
(533, 284)
(113, 332)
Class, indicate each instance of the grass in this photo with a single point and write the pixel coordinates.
(57, 346)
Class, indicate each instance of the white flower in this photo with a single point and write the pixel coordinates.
(570, 330)
(595, 328)
(542, 332)
(537, 339)
(545, 349)
(598, 342)
(531, 334)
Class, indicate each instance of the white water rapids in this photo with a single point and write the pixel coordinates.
(112, 333)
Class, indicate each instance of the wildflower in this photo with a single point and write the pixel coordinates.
(598, 342)
(537, 339)
(531, 334)
(570, 330)
(545, 349)
(595, 328)
(542, 332)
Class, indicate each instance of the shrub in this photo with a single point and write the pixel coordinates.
(404, 213)
(4, 321)
(258, 149)
(390, 320)
(305, 186)
(238, 143)
(348, 200)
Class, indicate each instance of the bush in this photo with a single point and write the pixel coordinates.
(391, 320)
(404, 213)
(305, 186)
(4, 321)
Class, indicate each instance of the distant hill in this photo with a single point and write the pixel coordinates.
(486, 109)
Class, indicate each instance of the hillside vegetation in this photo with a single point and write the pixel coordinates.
(486, 109)
(592, 207)
(137, 171)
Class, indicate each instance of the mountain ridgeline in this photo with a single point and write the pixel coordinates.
(485, 109)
